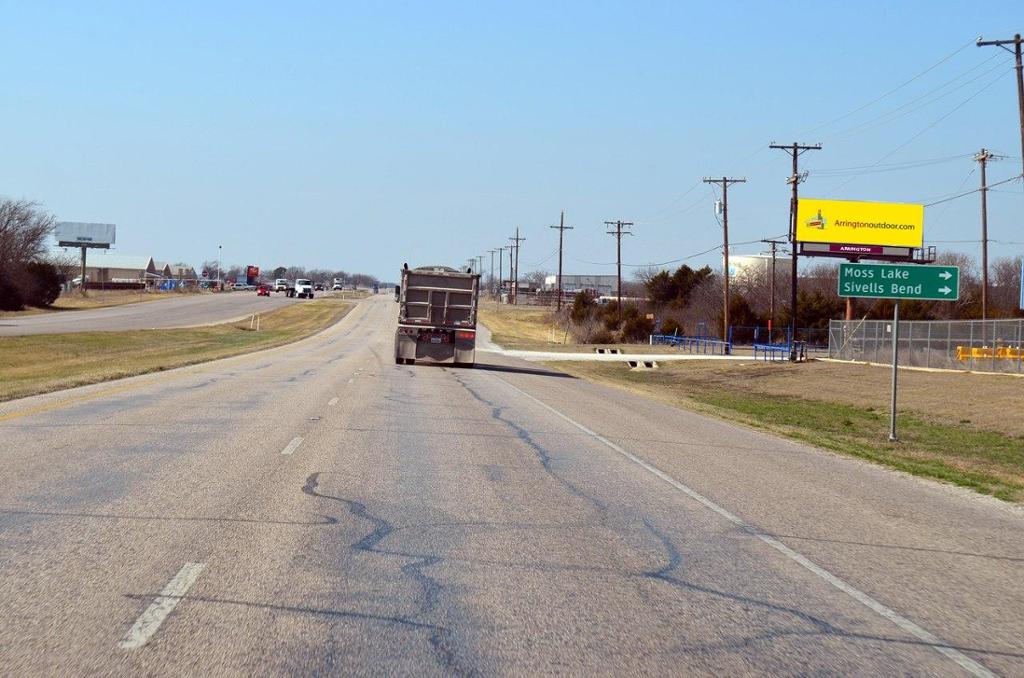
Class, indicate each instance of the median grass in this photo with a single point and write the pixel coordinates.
(974, 439)
(76, 301)
(41, 363)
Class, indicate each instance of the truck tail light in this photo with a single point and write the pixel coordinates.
(410, 331)
(463, 334)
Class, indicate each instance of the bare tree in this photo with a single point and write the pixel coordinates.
(1005, 286)
(535, 279)
(23, 231)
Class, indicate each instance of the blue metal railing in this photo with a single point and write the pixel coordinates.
(703, 345)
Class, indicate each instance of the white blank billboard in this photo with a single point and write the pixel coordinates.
(79, 234)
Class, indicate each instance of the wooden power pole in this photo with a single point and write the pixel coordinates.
(983, 157)
(771, 304)
(562, 228)
(515, 267)
(1016, 51)
(621, 229)
(796, 150)
(724, 183)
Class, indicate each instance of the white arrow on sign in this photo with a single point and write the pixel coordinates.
(945, 275)
(945, 289)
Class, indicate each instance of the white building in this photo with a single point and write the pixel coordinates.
(571, 283)
(755, 264)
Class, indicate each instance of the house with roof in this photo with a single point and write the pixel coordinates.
(120, 268)
(181, 272)
(163, 269)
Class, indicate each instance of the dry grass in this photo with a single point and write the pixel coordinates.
(42, 363)
(961, 428)
(75, 301)
(523, 327)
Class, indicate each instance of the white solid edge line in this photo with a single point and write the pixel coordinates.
(292, 446)
(902, 622)
(332, 402)
(150, 620)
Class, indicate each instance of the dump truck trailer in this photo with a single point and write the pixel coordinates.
(437, 316)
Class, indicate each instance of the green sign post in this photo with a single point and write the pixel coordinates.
(899, 281)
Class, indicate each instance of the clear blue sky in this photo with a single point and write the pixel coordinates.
(362, 135)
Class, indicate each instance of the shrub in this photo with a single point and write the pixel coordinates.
(602, 336)
(637, 328)
(672, 326)
(42, 284)
(582, 304)
(10, 295)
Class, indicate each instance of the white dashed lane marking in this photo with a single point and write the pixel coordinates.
(292, 446)
(150, 620)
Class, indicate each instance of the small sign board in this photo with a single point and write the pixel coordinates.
(899, 281)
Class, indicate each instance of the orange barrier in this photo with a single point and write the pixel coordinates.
(965, 353)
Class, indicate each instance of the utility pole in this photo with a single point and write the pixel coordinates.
(490, 285)
(724, 183)
(796, 150)
(983, 157)
(618, 233)
(480, 265)
(511, 251)
(1016, 51)
(562, 228)
(771, 304)
(515, 268)
(501, 273)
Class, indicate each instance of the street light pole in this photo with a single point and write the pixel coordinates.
(220, 283)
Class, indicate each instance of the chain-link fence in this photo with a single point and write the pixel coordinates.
(976, 345)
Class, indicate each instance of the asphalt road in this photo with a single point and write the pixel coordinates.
(316, 509)
(176, 311)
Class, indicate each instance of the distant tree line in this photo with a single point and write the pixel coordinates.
(689, 301)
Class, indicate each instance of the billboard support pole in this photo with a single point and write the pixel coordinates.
(895, 371)
(84, 248)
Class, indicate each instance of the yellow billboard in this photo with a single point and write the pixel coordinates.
(852, 222)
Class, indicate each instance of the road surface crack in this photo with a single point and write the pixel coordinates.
(441, 639)
(544, 455)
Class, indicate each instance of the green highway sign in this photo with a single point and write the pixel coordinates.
(899, 281)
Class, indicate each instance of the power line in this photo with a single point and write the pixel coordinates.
(671, 261)
(915, 137)
(891, 167)
(1019, 66)
(893, 90)
(972, 191)
(899, 112)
